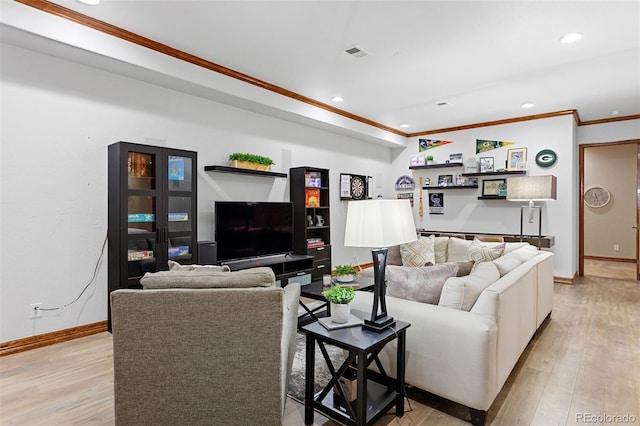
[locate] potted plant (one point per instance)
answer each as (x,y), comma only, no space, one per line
(250,161)
(345,273)
(430,159)
(340,298)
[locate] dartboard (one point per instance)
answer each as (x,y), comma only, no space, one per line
(357,188)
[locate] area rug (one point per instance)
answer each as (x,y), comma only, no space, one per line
(322,374)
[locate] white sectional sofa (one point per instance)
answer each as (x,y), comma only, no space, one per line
(464,350)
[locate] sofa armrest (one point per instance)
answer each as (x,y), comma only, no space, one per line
(439,343)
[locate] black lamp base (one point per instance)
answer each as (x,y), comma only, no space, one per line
(379,324)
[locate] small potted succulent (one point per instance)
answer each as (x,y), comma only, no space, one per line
(340,298)
(345,273)
(430,159)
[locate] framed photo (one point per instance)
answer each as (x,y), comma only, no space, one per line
(445,180)
(491,187)
(486,164)
(517,159)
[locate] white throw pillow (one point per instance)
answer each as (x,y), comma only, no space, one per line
(462,292)
(175,266)
(440,249)
(456,249)
(418,252)
(528,252)
(507,263)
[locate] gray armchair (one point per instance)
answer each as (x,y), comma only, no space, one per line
(220,353)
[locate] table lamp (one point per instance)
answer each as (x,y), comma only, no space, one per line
(532,188)
(379,223)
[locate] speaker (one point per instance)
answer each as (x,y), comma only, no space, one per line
(207,253)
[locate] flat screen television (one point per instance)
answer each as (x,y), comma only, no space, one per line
(251,229)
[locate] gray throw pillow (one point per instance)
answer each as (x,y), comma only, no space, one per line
(421,284)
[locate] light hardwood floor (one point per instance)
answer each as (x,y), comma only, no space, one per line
(586,361)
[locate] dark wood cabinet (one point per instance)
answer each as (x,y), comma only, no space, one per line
(309,192)
(152,211)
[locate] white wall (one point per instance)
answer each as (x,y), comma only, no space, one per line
(55,129)
(56,126)
(464,212)
(609,132)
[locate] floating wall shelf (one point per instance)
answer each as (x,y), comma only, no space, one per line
(436,166)
(226,169)
(451,187)
(508,172)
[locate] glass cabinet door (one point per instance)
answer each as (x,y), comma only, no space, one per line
(141,170)
(180,173)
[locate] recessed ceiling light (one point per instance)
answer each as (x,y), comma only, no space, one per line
(337,99)
(90,2)
(404,125)
(615,112)
(570,38)
(527,105)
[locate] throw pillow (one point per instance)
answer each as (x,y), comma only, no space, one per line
(462,292)
(393,256)
(456,249)
(440,249)
(464,268)
(207,278)
(507,263)
(528,252)
(420,284)
(479,252)
(418,252)
(175,266)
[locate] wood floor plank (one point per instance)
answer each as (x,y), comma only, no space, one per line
(586,359)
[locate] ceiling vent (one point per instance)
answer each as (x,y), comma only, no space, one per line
(355,51)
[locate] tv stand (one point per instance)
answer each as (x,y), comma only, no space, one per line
(288,268)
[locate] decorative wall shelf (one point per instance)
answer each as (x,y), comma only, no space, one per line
(508,172)
(451,187)
(492,197)
(436,166)
(226,169)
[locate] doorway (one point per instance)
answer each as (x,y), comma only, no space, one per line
(609,240)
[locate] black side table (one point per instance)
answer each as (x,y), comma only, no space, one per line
(374,396)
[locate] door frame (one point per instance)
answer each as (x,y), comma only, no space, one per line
(582,148)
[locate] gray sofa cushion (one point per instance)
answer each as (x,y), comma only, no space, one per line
(208,278)
(421,284)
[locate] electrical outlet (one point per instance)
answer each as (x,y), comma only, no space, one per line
(34,310)
(616,247)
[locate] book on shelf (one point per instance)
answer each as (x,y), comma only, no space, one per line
(178,217)
(178,251)
(312,197)
(312,179)
(141,217)
(139,255)
(315,244)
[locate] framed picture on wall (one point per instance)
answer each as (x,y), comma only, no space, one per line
(491,187)
(445,180)
(486,164)
(517,159)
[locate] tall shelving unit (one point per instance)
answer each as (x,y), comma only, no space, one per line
(152,211)
(309,192)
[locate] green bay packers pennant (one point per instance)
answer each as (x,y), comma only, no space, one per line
(483,145)
(425,144)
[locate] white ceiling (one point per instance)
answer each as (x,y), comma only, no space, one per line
(483,58)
